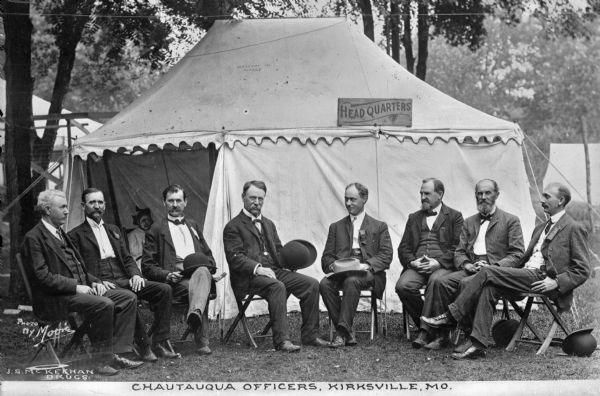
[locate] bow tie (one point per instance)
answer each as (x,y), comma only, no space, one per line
(177,221)
(483,218)
(257,221)
(428,213)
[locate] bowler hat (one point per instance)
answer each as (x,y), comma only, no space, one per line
(580,343)
(297,254)
(345,267)
(503,331)
(192,261)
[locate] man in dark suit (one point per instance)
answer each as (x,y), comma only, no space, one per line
(555,263)
(252,249)
(168,242)
(359,236)
(490,237)
(61,284)
(105,253)
(426,252)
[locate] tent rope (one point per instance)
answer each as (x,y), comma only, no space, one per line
(535,182)
(562,175)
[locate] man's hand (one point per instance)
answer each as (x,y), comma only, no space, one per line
(174,277)
(83,289)
(430,266)
(137,283)
(108,285)
(545,285)
(420,264)
(470,268)
(365,267)
(98,289)
(268,272)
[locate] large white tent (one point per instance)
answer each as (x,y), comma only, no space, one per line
(265,93)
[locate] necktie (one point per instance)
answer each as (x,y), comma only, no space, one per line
(548,226)
(428,213)
(177,221)
(258,224)
(62,240)
(483,218)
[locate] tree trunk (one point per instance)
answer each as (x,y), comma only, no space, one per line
(423,38)
(70,31)
(406,37)
(588,177)
(19,131)
(395,29)
(367,16)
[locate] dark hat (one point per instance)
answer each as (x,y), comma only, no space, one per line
(503,331)
(195,260)
(297,254)
(580,343)
(345,267)
(139,212)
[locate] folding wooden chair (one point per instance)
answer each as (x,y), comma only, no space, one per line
(241,317)
(542,300)
(50,344)
(375,310)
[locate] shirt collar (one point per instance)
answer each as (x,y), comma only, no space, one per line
(171,218)
(556,216)
(251,216)
(359,217)
(93,224)
(50,227)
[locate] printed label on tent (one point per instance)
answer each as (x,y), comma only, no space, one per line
(391,112)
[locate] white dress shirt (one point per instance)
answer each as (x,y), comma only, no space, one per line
(106,250)
(356,224)
(258,226)
(53,230)
(537,260)
(182,238)
(479,244)
(431,219)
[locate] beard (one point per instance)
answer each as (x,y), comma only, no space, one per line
(484,206)
(425,205)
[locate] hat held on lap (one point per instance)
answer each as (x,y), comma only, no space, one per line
(345,267)
(297,254)
(192,261)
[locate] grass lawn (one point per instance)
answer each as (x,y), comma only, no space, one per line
(389,358)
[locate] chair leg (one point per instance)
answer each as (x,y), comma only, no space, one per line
(247,331)
(519,332)
(331,332)
(405,322)
(531,327)
(548,339)
(555,314)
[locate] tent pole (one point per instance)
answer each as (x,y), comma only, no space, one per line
(111,190)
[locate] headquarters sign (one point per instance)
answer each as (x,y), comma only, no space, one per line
(390,112)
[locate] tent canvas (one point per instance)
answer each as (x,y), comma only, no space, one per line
(567,165)
(265,93)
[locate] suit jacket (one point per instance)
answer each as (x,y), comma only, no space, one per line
(375,246)
(565,248)
(503,240)
(84,239)
(447,228)
(159,257)
(241,241)
(48,272)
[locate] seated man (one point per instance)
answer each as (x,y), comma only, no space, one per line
(61,284)
(135,238)
(167,244)
(555,263)
(252,248)
(359,236)
(426,252)
(490,237)
(104,252)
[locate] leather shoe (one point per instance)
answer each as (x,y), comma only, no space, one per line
(464,346)
(164,351)
(194,320)
(106,370)
(318,342)
(472,352)
(287,346)
(204,350)
(124,363)
(148,356)
(421,340)
(438,343)
(351,340)
(443,320)
(337,342)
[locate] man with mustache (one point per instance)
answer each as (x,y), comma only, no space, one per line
(106,256)
(426,252)
(168,242)
(362,237)
(556,262)
(252,249)
(492,237)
